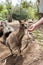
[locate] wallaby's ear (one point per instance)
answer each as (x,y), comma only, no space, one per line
(20,21)
(1,23)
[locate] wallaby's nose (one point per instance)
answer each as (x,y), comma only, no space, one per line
(25,27)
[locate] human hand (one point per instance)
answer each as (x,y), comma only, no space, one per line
(31,28)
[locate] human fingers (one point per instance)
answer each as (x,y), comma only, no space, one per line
(31,28)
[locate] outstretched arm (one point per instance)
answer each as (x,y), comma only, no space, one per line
(32,27)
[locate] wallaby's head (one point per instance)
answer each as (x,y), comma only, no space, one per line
(26,23)
(6,28)
(4,24)
(22,24)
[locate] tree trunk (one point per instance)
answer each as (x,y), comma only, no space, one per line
(9,17)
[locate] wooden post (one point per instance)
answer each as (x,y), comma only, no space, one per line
(40,8)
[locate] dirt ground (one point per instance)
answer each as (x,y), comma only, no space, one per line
(32,55)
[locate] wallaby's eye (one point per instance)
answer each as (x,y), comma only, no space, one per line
(22,24)
(5,24)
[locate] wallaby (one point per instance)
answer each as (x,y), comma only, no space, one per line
(14,41)
(7,29)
